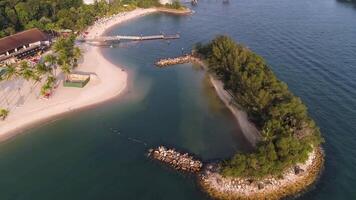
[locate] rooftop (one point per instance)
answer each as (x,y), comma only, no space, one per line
(20,39)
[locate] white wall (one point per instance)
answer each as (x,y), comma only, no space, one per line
(165,1)
(88,1)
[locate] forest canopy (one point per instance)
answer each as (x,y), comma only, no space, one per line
(288,133)
(18,15)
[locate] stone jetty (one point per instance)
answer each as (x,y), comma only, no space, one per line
(188,58)
(179,161)
(291,181)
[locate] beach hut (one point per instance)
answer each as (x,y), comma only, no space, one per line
(76,80)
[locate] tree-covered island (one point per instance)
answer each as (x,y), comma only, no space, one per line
(288,133)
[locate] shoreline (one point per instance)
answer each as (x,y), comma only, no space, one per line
(106,83)
(248,129)
(185,11)
(272,188)
(291,184)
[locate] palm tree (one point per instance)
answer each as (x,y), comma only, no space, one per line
(10,72)
(25,71)
(77,54)
(51,60)
(3,113)
(48,85)
(45,89)
(51,80)
(41,69)
(36,79)
(27,74)
(66,69)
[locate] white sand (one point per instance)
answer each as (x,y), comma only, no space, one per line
(107,81)
(248,128)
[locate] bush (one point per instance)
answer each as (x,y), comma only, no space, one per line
(3,113)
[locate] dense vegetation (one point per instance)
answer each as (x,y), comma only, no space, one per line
(17,15)
(288,133)
(175,5)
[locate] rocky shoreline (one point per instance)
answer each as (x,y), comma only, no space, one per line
(293,181)
(178,161)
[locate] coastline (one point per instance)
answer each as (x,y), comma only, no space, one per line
(272,188)
(107,81)
(185,11)
(249,130)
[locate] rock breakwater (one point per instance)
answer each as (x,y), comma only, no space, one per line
(188,58)
(175,159)
(291,182)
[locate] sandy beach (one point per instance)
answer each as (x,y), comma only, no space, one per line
(107,81)
(249,130)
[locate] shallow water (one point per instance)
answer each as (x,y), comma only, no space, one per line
(100,153)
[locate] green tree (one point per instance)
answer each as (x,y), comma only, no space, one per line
(10,72)
(288,133)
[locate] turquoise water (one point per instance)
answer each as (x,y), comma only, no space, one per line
(99,153)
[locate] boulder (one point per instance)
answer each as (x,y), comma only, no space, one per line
(298,170)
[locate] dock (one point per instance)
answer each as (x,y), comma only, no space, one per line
(119,38)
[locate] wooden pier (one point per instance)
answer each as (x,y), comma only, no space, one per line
(119,38)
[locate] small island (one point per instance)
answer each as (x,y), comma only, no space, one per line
(288,156)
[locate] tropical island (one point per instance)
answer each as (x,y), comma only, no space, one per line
(289,137)
(288,157)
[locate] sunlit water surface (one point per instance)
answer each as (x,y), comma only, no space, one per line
(100,153)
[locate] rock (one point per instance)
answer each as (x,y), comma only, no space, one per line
(298,170)
(260,186)
(177,160)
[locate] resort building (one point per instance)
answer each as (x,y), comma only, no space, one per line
(164,2)
(23,44)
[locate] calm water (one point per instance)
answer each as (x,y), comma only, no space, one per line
(100,153)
